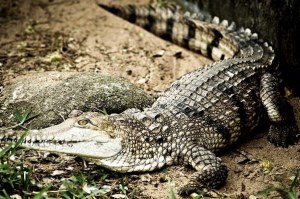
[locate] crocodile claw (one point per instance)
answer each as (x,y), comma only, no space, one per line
(213,177)
(189,189)
(283,135)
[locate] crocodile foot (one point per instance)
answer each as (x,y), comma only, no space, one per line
(188,189)
(213,177)
(283,134)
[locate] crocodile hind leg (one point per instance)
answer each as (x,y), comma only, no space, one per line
(283,130)
(211,172)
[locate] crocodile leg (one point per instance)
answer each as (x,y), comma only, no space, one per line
(211,172)
(283,129)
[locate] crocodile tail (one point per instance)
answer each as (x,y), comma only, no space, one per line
(199,32)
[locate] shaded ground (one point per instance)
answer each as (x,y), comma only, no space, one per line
(76,35)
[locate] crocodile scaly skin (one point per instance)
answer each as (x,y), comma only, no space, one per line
(207,109)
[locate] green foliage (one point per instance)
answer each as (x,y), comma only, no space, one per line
(5,195)
(285,192)
(42,193)
(123,188)
(104,111)
(25,116)
(162,3)
(15,178)
(13,173)
(77,187)
(22,118)
(171,191)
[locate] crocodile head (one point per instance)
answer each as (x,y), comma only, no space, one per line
(88,134)
(126,142)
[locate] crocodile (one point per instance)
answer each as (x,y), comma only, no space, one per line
(201,113)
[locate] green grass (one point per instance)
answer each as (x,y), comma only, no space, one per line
(162,3)
(22,117)
(285,192)
(13,174)
(103,111)
(16,178)
(77,187)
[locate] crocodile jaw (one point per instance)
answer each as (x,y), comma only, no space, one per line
(69,138)
(81,142)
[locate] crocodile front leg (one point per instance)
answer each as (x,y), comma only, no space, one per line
(283,130)
(211,172)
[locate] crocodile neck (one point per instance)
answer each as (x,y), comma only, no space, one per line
(160,137)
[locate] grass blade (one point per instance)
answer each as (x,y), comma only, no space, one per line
(5,150)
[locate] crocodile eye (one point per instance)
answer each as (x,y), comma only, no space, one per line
(83,122)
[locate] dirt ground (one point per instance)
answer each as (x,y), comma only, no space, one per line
(76,35)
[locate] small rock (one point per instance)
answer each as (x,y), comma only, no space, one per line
(159,53)
(253,197)
(47,180)
(78,60)
(70,168)
(15,196)
(178,55)
(89,189)
(163,179)
(141,81)
(71,39)
(129,72)
(119,196)
(146,178)
(241,160)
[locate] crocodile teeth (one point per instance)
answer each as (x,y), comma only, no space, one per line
(270,48)
(194,16)
(248,32)
(224,23)
(207,18)
(187,14)
(241,30)
(200,17)
(232,26)
(216,20)
(254,36)
(266,44)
